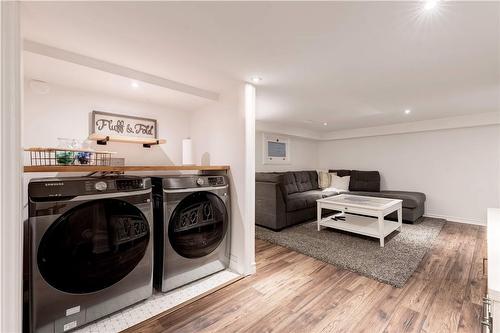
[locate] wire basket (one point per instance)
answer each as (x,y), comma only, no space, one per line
(66,156)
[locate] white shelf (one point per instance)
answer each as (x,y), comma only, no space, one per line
(102,139)
(362,225)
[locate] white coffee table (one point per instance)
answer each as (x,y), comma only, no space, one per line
(372,224)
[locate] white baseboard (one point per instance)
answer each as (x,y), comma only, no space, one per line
(253,268)
(457,219)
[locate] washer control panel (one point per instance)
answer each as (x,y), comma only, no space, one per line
(39,189)
(101,186)
(114,185)
(95,186)
(216,181)
(128,184)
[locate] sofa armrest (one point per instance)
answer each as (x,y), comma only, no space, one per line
(270,210)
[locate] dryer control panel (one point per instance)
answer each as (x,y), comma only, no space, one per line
(191,181)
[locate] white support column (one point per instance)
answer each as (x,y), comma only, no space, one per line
(249,221)
(10,170)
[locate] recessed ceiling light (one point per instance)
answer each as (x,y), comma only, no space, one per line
(407,111)
(255,79)
(430,4)
(134,84)
(325,124)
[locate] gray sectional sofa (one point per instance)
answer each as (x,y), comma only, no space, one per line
(288,198)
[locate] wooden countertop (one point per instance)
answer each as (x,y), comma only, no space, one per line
(88,168)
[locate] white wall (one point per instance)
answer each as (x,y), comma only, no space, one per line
(218,134)
(64,112)
(303,154)
(458,169)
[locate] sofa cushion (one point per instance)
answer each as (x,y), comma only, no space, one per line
(289,186)
(410,199)
(304,200)
(364,181)
(313,175)
(341,172)
(306,180)
(324,193)
(301,200)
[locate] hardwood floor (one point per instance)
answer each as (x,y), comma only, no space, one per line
(295,293)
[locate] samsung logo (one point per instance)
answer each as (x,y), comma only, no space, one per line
(54,184)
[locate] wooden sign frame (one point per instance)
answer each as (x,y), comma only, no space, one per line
(121,125)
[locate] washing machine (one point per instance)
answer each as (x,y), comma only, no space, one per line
(90,249)
(192,222)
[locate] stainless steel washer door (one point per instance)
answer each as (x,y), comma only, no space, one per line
(93,246)
(198,225)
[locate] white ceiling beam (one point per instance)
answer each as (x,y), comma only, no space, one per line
(277,128)
(79,59)
(471,120)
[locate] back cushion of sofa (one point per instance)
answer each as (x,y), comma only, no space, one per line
(368,181)
(306,180)
(289,184)
(269,177)
(313,176)
(341,172)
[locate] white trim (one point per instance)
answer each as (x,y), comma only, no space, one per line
(457,219)
(79,59)
(253,268)
(472,120)
(11,225)
(249,216)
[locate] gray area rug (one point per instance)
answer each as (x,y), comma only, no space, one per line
(393,264)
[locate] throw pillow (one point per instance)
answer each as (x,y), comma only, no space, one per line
(341,172)
(367,181)
(324,179)
(340,184)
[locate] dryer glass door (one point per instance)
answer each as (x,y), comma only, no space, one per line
(92,246)
(198,225)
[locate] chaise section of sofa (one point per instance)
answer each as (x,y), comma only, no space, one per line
(367,183)
(413,203)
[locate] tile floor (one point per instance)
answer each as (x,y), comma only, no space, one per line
(156,304)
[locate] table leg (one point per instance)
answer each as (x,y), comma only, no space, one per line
(400,219)
(319,215)
(381,229)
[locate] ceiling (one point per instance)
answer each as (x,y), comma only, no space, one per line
(350,64)
(55,71)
